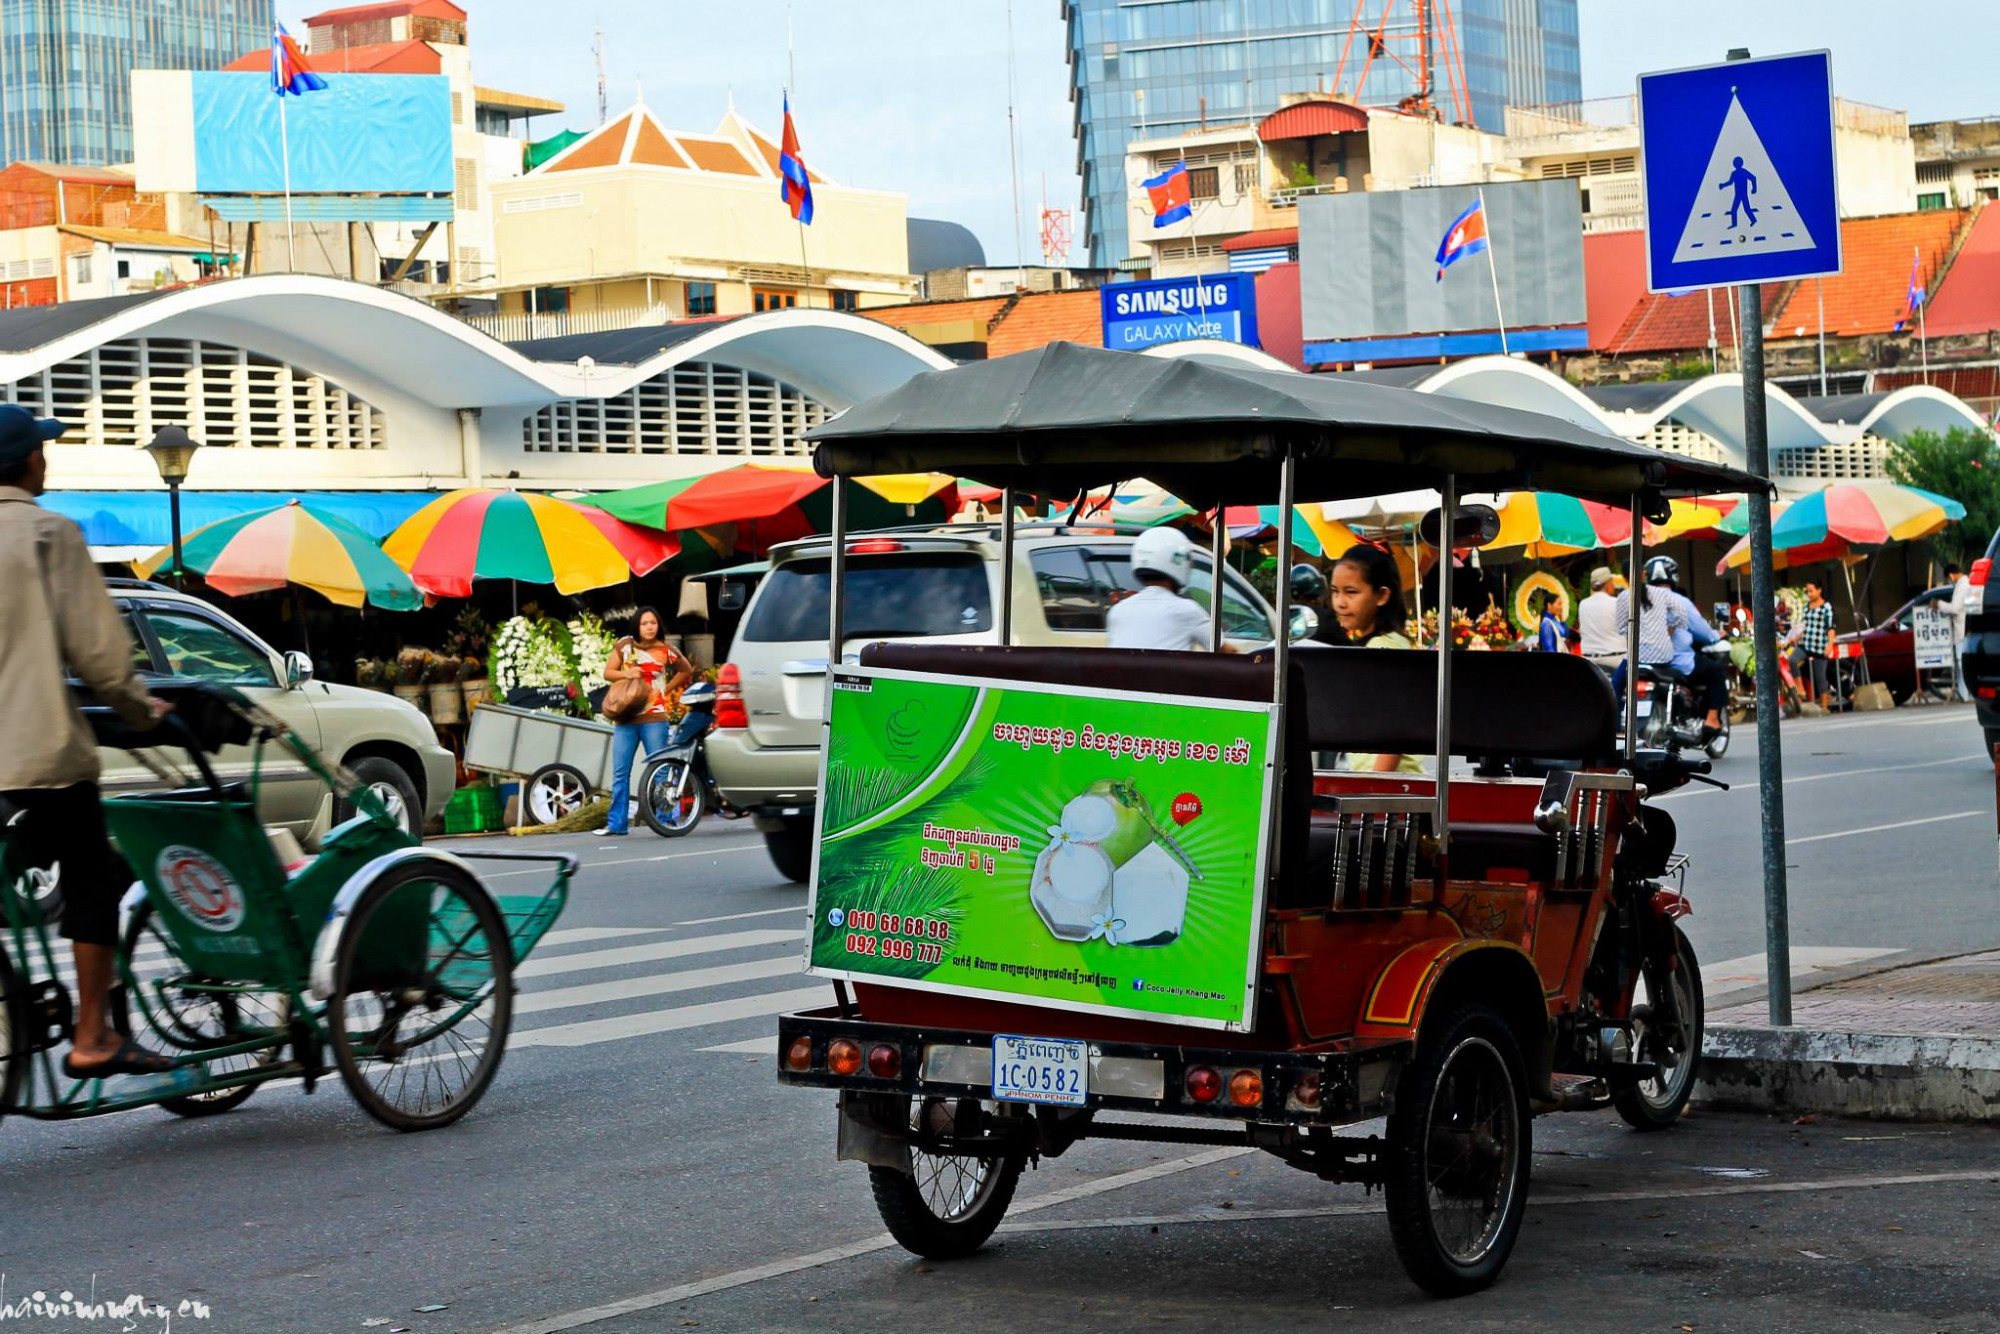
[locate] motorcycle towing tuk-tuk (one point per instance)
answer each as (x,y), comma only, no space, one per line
(1054,886)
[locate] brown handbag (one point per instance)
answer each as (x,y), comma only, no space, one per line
(628,696)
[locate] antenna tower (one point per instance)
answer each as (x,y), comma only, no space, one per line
(603,105)
(1422,40)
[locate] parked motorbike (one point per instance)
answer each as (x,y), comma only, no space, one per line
(1670,714)
(675,788)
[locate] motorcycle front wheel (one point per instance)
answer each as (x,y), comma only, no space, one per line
(672,797)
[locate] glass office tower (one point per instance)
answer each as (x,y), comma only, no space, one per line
(66,66)
(1145,68)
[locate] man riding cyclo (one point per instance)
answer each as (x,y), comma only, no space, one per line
(60,621)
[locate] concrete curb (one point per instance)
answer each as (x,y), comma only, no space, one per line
(1893,1077)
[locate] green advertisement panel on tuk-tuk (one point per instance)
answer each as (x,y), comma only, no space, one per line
(1036,843)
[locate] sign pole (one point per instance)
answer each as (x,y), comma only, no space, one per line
(1764,636)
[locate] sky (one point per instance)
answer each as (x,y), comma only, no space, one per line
(912,95)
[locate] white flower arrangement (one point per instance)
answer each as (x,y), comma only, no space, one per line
(593,644)
(531,653)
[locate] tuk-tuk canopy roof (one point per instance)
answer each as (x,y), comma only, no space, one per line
(1061,419)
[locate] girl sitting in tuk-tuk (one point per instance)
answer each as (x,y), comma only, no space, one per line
(1367,599)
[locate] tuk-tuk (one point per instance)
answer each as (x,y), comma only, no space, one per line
(1053,885)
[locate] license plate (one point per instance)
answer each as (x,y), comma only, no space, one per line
(1046,1070)
(1644,707)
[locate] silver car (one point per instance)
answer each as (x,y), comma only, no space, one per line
(940,583)
(385,742)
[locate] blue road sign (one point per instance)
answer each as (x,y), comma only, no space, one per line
(1739,172)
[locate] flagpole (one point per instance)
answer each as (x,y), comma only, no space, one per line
(1493,268)
(1923,338)
(791,82)
(285,152)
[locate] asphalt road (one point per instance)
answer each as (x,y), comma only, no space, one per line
(635,1154)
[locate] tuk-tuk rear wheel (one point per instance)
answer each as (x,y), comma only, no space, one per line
(1457,1153)
(949,1204)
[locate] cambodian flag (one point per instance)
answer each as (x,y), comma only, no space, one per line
(796,188)
(1916,296)
(289,71)
(1173,197)
(1465,236)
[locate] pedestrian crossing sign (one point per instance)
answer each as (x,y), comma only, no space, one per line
(1737,161)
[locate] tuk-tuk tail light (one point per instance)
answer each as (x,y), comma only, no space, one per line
(1203,1084)
(843,1056)
(799,1056)
(1306,1091)
(1246,1088)
(729,709)
(884,1061)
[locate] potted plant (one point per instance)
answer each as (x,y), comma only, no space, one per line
(469,641)
(368,674)
(413,667)
(447,704)
(473,683)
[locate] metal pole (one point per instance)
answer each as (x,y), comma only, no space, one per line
(1770,768)
(1281,654)
(285,152)
(174,518)
(1447,513)
(1006,566)
(836,598)
(1218,558)
(1819,295)
(1634,576)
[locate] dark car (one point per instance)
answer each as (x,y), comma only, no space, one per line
(1891,646)
(1980,657)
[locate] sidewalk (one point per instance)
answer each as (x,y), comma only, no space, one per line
(1914,1041)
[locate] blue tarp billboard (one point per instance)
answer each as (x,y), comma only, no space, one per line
(364,133)
(1172,310)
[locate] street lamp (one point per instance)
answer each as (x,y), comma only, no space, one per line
(173,450)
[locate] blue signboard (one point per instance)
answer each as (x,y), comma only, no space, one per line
(1739,172)
(1173,310)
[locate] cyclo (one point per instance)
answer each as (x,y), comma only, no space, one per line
(380,958)
(1058,885)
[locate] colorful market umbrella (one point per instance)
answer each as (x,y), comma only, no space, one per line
(751,507)
(491,534)
(1541,524)
(293,544)
(1829,524)
(1312,532)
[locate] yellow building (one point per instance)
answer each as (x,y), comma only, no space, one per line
(636,223)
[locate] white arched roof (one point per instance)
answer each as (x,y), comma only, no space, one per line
(438,358)
(1514,383)
(1713,405)
(1919,407)
(1219,352)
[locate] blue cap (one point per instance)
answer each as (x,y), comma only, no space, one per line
(22,433)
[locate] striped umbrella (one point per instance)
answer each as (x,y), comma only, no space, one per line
(293,544)
(1542,524)
(491,534)
(1829,524)
(770,505)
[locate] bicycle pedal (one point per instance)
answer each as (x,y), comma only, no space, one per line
(50,1017)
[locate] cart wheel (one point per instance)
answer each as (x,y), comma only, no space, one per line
(13,1037)
(1456,1159)
(423,995)
(192,1020)
(554,791)
(665,814)
(949,1205)
(1655,1104)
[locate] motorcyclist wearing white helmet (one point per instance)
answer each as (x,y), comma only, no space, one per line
(1160,614)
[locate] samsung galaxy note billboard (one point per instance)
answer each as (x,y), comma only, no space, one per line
(1173,310)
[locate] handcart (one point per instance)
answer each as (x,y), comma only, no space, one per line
(562,761)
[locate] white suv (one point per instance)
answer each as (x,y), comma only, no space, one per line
(939,583)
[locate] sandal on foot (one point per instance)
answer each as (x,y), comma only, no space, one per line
(129,1059)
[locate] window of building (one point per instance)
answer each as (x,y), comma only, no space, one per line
(847,301)
(549,301)
(1929,202)
(697,408)
(1202,182)
(83,269)
(772,298)
(1246,178)
(124,268)
(700,298)
(465,184)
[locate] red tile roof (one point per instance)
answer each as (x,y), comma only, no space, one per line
(717,155)
(1661,323)
(1614,281)
(437,9)
(1303,120)
(375,58)
(1264,240)
(1040,318)
(1870,293)
(1968,301)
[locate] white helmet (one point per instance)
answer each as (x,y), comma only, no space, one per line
(1164,552)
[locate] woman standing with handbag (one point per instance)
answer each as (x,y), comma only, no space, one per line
(646,675)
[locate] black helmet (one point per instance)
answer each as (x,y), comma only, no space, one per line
(1308,584)
(1663,570)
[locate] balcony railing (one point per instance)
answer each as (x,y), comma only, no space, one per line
(521,326)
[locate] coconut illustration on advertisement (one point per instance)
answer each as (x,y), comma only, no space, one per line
(1111,872)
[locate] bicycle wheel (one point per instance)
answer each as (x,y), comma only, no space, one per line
(671,798)
(181,1012)
(423,995)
